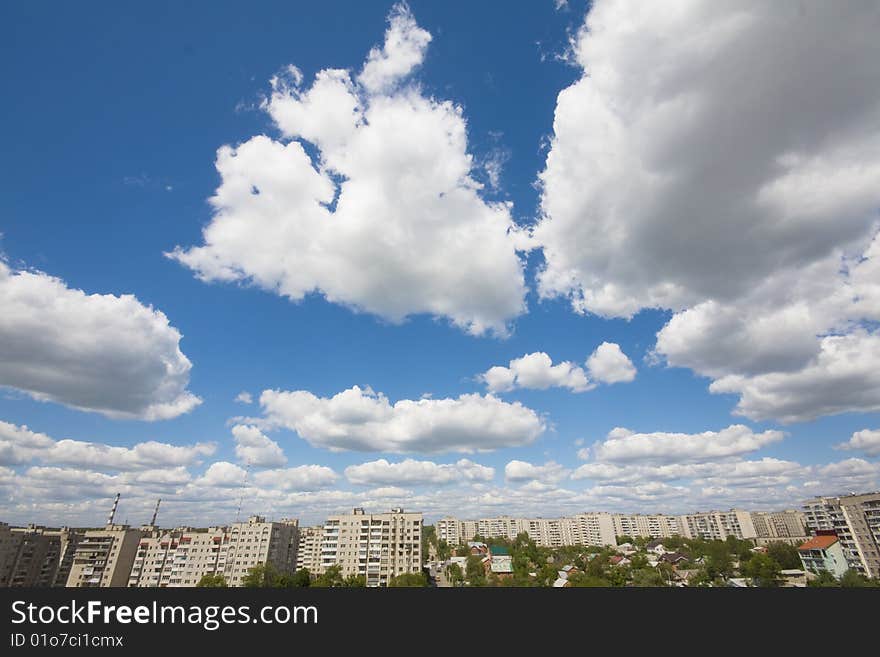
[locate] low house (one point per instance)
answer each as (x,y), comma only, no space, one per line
(673,558)
(627,548)
(561,583)
(793,578)
(477,548)
(618,560)
(824,552)
(656,547)
(501,565)
(738,582)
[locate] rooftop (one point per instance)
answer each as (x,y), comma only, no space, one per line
(819,543)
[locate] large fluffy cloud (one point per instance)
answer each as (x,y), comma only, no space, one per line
(625,446)
(387,217)
(360,419)
(412,472)
(18,444)
(714,162)
(607,364)
(255,448)
(104,353)
(519,471)
(866,440)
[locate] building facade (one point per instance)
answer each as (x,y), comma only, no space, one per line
(856,521)
(104,557)
(824,552)
(36,556)
(377,546)
(308,554)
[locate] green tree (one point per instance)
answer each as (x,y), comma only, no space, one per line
(262,575)
(853,579)
(763,570)
(784,554)
(444,551)
(298,579)
(214,581)
(408,580)
(454,574)
(332,577)
(645,577)
(475,572)
(824,580)
(582,580)
(623,538)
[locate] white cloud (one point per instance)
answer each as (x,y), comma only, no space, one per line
(388,219)
(677,179)
(360,419)
(302,477)
(404,50)
(18,444)
(536,371)
(414,472)
(103,353)
(866,440)
(625,446)
(844,377)
(244,397)
(550,472)
(224,475)
(255,448)
(608,364)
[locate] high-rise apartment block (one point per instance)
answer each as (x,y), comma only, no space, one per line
(308,556)
(36,556)
(104,557)
(855,520)
(378,546)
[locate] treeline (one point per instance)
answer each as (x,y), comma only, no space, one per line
(267,576)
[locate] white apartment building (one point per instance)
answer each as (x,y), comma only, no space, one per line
(308,554)
(856,521)
(103,557)
(718,525)
(637,524)
(378,546)
(592,529)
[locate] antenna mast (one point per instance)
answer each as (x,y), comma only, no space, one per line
(247,469)
(155,512)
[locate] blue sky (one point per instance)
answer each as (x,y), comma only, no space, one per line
(669,197)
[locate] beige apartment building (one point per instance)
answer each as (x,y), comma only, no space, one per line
(179,558)
(308,555)
(257,541)
(104,557)
(856,521)
(378,546)
(788,524)
(718,525)
(637,524)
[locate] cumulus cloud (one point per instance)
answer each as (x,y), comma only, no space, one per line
(607,364)
(244,397)
(302,477)
(18,444)
(103,353)
(224,475)
(866,440)
(409,471)
(363,420)
(550,472)
(677,179)
(625,446)
(253,447)
(387,217)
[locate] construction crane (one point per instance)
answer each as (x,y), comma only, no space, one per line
(155,513)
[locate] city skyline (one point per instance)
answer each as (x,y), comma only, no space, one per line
(548,259)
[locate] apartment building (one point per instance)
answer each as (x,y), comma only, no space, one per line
(824,552)
(179,558)
(654,526)
(104,557)
(308,555)
(779,524)
(856,521)
(718,525)
(36,556)
(592,529)
(377,546)
(257,541)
